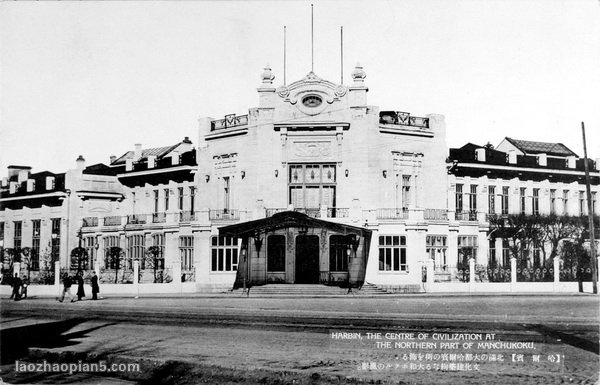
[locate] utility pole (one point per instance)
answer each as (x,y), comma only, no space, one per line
(590,216)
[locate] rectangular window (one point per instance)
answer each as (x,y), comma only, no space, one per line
(473,198)
(565,202)
(492,199)
(459,198)
(535,201)
(180,198)
(582,209)
(504,201)
(505,253)
(89,243)
(392,253)
(18,225)
(312,185)
(35,244)
(224,253)
(226,194)
(135,250)
(437,248)
(155,201)
(552,202)
(522,199)
(338,253)
(186,252)
(492,261)
(276,253)
(467,248)
(158,243)
(112,253)
(192,199)
(167,191)
(55,239)
(406,181)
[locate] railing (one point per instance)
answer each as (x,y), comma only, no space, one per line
(136,219)
(187,216)
(339,278)
(466,216)
(271,212)
(336,212)
(394,213)
(402,118)
(224,214)
(535,274)
(311,212)
(435,214)
(229,121)
(159,217)
(114,220)
(89,222)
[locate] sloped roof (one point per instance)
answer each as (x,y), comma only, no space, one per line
(146,152)
(534,147)
(100,169)
(287,219)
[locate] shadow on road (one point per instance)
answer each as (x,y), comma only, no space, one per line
(569,339)
(16,341)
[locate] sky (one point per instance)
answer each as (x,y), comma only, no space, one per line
(94,78)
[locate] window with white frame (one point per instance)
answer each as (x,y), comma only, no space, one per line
(565,202)
(406,182)
(392,253)
(89,243)
(473,198)
(312,185)
(35,244)
(535,201)
(467,248)
(437,248)
(522,199)
(458,196)
(186,252)
(158,242)
(552,201)
(582,209)
(224,253)
(18,226)
(55,242)
(492,199)
(136,249)
(504,201)
(110,262)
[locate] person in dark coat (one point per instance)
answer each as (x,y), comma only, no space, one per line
(24,284)
(16,288)
(95,287)
(67,288)
(80,291)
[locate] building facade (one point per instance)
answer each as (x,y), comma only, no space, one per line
(313,185)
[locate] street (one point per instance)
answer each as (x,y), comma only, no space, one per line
(225,339)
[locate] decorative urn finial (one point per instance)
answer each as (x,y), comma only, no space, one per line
(267,75)
(359,74)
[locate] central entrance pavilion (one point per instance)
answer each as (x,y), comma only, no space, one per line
(291,247)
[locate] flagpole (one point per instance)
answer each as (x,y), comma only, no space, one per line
(590,215)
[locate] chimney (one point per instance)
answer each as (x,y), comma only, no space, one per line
(571,161)
(49,183)
(112,159)
(151,161)
(512,157)
(137,154)
(80,161)
(542,159)
(480,154)
(186,145)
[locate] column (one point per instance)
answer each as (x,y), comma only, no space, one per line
(513,270)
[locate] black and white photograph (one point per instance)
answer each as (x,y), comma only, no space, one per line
(318,192)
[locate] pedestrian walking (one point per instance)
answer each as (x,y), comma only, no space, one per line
(24,284)
(16,288)
(95,287)
(80,291)
(66,288)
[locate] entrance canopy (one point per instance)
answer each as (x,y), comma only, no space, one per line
(288,219)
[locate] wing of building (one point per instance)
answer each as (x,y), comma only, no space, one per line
(312,186)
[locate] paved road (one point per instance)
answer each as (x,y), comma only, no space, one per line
(259,337)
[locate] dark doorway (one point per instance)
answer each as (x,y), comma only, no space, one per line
(307,259)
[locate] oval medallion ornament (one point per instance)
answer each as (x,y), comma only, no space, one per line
(312,101)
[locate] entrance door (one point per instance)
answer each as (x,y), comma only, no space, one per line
(307,259)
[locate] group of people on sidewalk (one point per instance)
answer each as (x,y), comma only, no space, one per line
(78,279)
(19,287)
